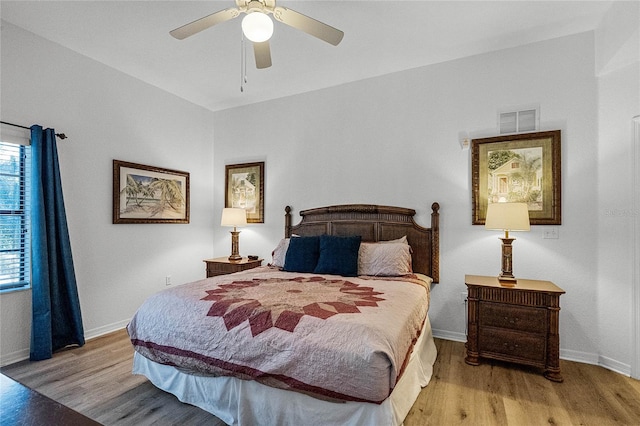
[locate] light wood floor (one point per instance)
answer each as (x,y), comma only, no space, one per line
(96,380)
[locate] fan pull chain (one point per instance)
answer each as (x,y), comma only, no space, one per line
(243,63)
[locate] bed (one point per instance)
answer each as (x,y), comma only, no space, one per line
(335,330)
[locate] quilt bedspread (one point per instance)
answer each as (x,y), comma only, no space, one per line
(332,337)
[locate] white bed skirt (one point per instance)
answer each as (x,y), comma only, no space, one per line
(245,402)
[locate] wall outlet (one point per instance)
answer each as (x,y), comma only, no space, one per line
(167,280)
(463,297)
(551,232)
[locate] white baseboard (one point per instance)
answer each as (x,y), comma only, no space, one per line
(569,355)
(22,354)
(97,332)
(593,359)
(13,357)
(613,365)
(578,356)
(449,335)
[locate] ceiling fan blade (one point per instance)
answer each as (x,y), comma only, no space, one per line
(308,25)
(262,52)
(204,23)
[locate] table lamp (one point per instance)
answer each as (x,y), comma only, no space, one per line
(507,217)
(234,217)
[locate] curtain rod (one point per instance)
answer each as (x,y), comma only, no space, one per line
(60,135)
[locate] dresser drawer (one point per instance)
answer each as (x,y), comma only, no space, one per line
(223,266)
(512,344)
(532,320)
(214,273)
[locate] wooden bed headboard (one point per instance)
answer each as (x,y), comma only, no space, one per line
(375,223)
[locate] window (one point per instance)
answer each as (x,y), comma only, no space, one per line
(14,216)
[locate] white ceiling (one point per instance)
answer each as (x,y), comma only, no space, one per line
(380,37)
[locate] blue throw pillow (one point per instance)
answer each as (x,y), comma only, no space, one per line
(302,254)
(338,255)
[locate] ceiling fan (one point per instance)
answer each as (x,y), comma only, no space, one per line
(258,27)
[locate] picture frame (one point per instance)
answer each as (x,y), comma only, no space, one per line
(148,194)
(522,167)
(244,188)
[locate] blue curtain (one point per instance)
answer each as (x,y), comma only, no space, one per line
(57,321)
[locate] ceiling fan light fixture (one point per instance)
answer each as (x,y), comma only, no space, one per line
(257,27)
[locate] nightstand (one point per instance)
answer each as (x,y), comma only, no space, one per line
(517,324)
(223,266)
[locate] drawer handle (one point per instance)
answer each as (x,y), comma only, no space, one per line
(512,320)
(510,347)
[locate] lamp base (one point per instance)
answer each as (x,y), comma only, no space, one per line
(506,277)
(235,252)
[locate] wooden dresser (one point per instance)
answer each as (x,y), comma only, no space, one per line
(516,324)
(223,266)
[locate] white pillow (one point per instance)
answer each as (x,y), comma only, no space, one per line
(279,253)
(402,240)
(384,259)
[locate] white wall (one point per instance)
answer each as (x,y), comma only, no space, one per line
(618,71)
(107,115)
(394,140)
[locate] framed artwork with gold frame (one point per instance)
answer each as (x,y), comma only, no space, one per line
(522,168)
(244,188)
(148,194)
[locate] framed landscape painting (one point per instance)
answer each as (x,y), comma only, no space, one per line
(146,194)
(244,188)
(522,168)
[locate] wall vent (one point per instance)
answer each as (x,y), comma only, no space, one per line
(522,120)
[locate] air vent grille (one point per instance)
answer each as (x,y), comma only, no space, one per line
(523,120)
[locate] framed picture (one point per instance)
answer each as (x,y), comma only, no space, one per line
(244,185)
(146,194)
(518,168)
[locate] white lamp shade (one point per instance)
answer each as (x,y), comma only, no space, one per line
(257,27)
(507,217)
(233,217)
